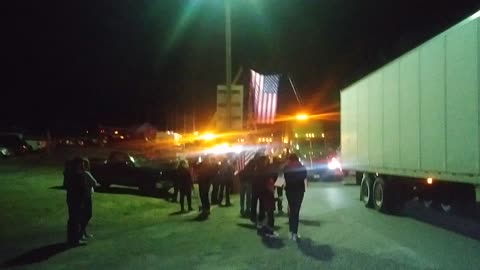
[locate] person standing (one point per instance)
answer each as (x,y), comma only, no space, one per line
(206,172)
(226,174)
(74,185)
(295,182)
(185,184)
(278,169)
(246,176)
(257,215)
(89,184)
(215,194)
(267,175)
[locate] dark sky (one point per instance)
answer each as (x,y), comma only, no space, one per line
(126,61)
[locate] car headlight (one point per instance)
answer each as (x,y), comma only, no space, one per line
(4,151)
(334,164)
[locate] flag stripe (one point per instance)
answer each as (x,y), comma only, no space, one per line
(243,160)
(264,88)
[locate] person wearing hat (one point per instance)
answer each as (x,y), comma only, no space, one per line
(295,182)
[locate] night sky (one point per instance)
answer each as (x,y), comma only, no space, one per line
(120,62)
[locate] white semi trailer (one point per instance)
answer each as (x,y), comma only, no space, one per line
(412,127)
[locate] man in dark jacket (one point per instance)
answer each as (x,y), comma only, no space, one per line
(257,215)
(225,175)
(75,187)
(267,175)
(246,176)
(295,181)
(185,184)
(207,170)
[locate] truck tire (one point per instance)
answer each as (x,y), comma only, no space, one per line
(389,195)
(366,191)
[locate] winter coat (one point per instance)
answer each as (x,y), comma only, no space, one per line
(295,174)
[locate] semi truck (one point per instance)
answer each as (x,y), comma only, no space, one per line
(411,129)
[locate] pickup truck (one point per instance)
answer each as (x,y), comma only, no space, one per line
(122,169)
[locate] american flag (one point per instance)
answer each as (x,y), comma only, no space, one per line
(242,160)
(264,89)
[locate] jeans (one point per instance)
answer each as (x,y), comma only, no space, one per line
(294,202)
(279,199)
(245,196)
(225,189)
(215,192)
(87,215)
(256,200)
(204,188)
(75,219)
(186,192)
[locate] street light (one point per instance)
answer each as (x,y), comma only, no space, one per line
(302,117)
(228,61)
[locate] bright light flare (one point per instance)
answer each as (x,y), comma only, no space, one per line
(334,164)
(429,180)
(208,136)
(302,117)
(225,148)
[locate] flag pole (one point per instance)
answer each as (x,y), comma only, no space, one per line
(299,100)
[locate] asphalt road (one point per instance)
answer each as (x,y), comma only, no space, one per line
(134,231)
(361,238)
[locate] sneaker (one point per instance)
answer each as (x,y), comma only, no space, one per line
(295,237)
(86,235)
(78,243)
(290,235)
(272,234)
(259,225)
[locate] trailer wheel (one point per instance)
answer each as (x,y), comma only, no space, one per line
(379,196)
(366,191)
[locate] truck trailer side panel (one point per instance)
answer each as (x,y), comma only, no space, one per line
(419,115)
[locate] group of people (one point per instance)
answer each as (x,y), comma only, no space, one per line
(79,184)
(258,185)
(260,192)
(210,174)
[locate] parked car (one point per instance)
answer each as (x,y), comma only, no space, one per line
(326,168)
(122,169)
(13,145)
